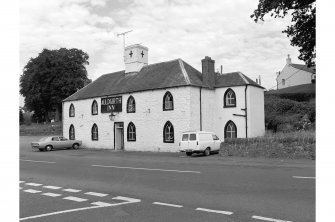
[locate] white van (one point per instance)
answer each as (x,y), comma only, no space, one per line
(199,142)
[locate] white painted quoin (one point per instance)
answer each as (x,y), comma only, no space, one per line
(295,74)
(198,104)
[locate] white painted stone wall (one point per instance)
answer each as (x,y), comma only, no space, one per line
(149,120)
(293,77)
(256,116)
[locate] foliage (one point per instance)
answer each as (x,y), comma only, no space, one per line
(288,115)
(289,145)
(302,32)
(41,129)
(21,117)
(51,77)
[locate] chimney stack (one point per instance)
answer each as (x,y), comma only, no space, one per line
(288,60)
(208,74)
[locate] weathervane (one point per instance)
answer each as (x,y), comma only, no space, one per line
(124,41)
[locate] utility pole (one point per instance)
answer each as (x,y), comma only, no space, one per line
(124,41)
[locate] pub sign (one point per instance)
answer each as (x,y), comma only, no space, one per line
(111,104)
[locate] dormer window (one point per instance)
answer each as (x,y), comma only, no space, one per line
(131,108)
(229,99)
(167,101)
(71,110)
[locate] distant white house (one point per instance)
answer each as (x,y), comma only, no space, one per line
(146,107)
(295,74)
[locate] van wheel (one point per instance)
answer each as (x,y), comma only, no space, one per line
(207,152)
(188,154)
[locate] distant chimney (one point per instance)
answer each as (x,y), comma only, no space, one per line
(208,75)
(257,81)
(135,57)
(288,60)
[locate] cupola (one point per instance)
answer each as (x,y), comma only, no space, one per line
(135,57)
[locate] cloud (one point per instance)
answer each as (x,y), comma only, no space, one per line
(187,29)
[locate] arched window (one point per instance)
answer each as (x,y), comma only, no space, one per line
(94,108)
(131,132)
(230,130)
(71,110)
(94,132)
(229,99)
(167,101)
(71,133)
(168,133)
(131,105)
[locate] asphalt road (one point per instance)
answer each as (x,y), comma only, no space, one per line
(101,185)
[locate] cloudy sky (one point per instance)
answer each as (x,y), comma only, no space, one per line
(187,29)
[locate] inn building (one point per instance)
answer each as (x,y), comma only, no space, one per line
(146,107)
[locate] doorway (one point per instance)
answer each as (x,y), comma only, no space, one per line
(118,136)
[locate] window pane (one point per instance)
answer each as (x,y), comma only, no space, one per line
(193,136)
(185,137)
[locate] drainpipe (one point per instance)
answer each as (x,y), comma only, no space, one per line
(200,112)
(246,112)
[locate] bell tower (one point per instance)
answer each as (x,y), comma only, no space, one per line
(135,57)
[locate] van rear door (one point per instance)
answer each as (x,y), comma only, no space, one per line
(184,142)
(192,141)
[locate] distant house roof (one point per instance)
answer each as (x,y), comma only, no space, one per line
(304,88)
(303,67)
(162,75)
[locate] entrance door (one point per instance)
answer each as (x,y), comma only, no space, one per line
(118,136)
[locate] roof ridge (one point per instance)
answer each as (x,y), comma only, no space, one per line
(242,76)
(181,65)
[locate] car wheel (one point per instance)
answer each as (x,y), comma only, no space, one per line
(188,154)
(41,149)
(48,148)
(75,146)
(207,152)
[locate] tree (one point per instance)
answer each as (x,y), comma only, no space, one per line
(51,77)
(302,31)
(21,116)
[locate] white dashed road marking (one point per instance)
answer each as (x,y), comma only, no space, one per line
(21,181)
(102,204)
(34,184)
(72,190)
(215,211)
(20,188)
(37,161)
(52,187)
(32,191)
(299,177)
(52,194)
(97,194)
(77,199)
(167,204)
(128,199)
(150,169)
(269,219)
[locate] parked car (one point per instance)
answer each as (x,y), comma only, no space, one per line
(199,142)
(55,142)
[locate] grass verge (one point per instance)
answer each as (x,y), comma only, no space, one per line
(293,145)
(35,129)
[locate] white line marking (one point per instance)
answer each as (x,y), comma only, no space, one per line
(102,204)
(128,199)
(97,194)
(215,211)
(37,161)
(32,191)
(299,177)
(20,188)
(134,168)
(21,181)
(71,190)
(34,184)
(52,194)
(167,204)
(77,199)
(52,187)
(269,219)
(73,210)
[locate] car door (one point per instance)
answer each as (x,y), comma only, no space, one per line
(64,143)
(55,142)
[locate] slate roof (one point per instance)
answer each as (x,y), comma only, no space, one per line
(162,75)
(303,67)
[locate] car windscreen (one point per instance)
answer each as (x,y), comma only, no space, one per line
(185,137)
(43,139)
(193,136)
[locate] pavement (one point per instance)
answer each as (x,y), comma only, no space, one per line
(105,185)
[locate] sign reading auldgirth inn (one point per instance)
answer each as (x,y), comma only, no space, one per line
(111,104)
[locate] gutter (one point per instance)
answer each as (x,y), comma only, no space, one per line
(246,112)
(200,110)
